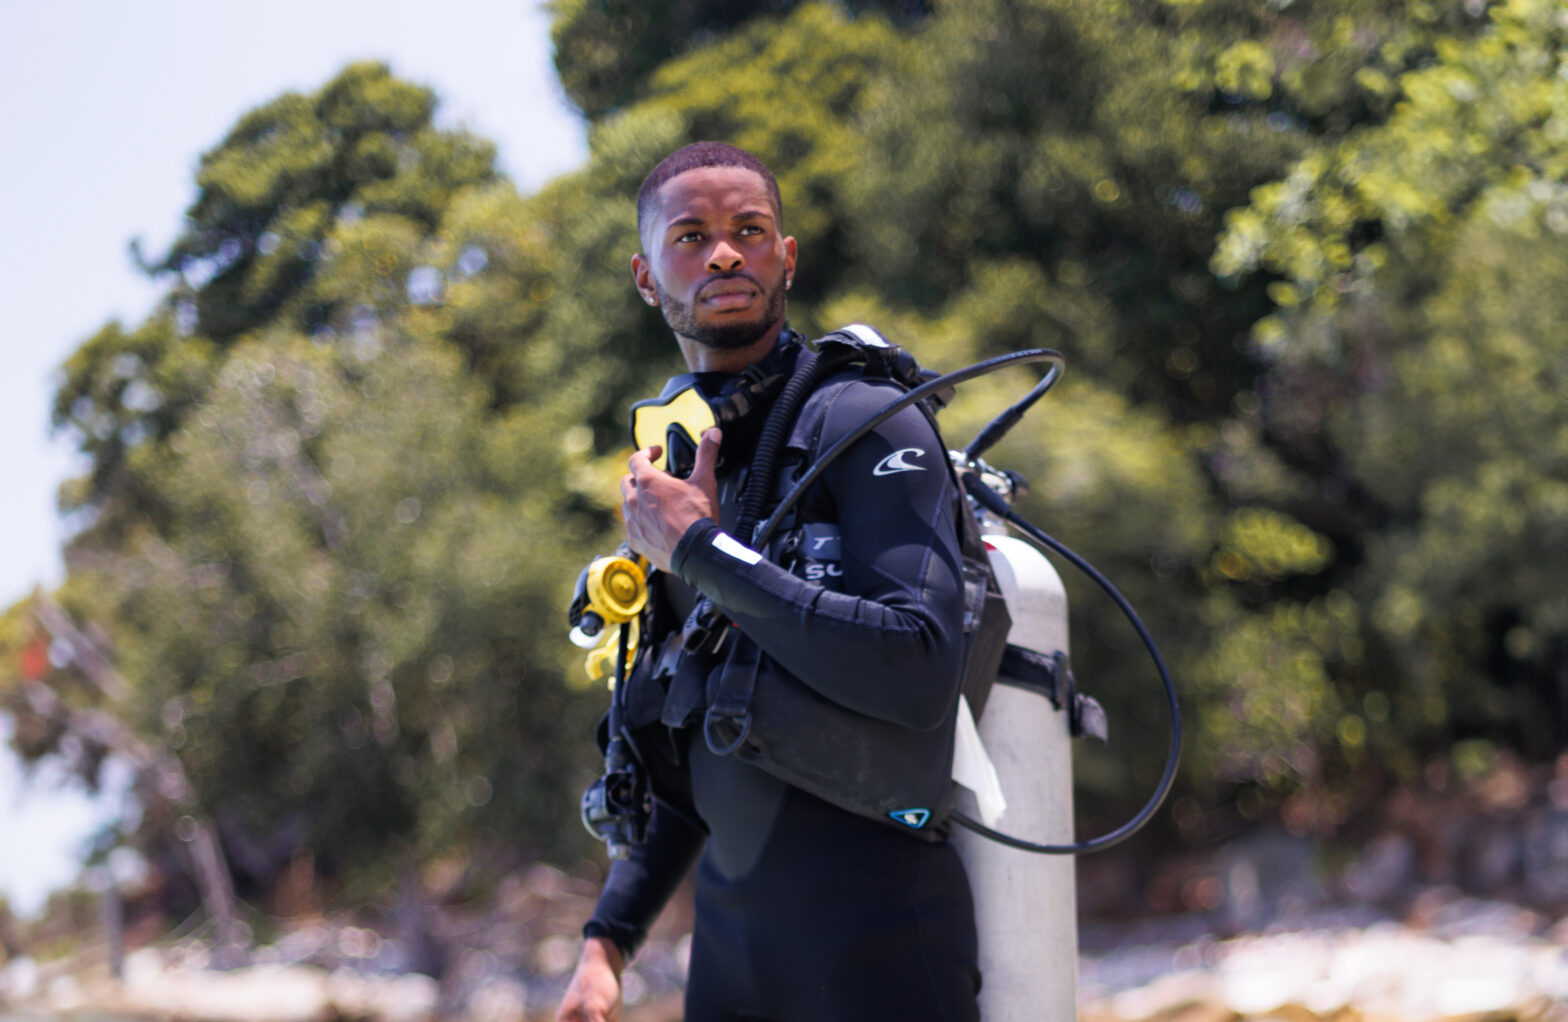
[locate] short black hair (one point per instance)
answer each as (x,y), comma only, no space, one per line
(703,154)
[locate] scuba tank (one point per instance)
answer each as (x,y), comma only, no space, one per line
(1025,905)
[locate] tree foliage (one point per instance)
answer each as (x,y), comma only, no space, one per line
(1305,260)
(606,51)
(326,524)
(1416,356)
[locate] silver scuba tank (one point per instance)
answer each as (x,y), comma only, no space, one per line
(1025,904)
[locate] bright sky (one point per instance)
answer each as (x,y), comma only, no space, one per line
(108,106)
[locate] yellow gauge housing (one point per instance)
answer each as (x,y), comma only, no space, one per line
(617,588)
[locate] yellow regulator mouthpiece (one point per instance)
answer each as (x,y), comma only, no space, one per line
(676,424)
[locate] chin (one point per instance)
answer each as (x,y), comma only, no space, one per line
(728,336)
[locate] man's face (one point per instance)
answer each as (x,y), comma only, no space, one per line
(714,259)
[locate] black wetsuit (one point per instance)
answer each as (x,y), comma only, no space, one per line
(804,911)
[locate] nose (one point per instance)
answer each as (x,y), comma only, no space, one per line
(724,258)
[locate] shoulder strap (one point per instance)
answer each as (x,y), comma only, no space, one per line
(882,357)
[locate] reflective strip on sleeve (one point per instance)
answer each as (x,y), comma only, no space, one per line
(729,545)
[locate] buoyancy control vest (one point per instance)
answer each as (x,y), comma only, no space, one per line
(748,705)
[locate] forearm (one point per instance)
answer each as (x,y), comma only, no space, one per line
(638,887)
(893,659)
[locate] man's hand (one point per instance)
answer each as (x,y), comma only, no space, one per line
(594,994)
(659,508)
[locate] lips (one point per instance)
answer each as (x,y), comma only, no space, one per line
(728,294)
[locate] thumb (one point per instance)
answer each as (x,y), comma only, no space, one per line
(705,468)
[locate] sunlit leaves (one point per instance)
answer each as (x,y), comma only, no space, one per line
(1485,118)
(606,50)
(1419,311)
(1269,706)
(1264,544)
(1245,69)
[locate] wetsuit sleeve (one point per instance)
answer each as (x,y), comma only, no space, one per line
(638,886)
(888,645)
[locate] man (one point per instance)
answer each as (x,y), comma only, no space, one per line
(804,912)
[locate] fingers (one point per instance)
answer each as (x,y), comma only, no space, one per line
(640,464)
(707,462)
(642,461)
(704,472)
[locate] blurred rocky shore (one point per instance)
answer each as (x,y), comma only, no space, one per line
(1454,908)
(1452,958)
(507,960)
(1449,903)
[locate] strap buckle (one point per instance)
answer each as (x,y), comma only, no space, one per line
(710,724)
(705,630)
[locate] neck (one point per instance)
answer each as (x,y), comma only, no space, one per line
(702,359)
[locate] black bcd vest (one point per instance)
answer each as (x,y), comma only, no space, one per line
(752,708)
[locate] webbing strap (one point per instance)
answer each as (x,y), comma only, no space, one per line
(732,703)
(1024,668)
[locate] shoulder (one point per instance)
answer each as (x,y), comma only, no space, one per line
(843,402)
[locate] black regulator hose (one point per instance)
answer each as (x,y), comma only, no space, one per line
(993,502)
(887,411)
(998,427)
(764,465)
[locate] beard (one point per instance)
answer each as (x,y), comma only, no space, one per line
(729,334)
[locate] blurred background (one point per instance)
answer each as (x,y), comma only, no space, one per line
(321,340)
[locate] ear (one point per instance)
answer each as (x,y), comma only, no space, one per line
(789,259)
(642,276)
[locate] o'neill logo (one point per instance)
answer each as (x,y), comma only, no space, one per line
(895,462)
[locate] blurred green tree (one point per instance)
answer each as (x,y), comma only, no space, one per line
(1305,261)
(327,524)
(270,198)
(1415,367)
(607,50)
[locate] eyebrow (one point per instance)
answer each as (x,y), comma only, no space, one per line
(697,221)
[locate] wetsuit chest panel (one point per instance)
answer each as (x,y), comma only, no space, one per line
(738,803)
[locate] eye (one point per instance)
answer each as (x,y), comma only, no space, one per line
(752,229)
(689,236)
